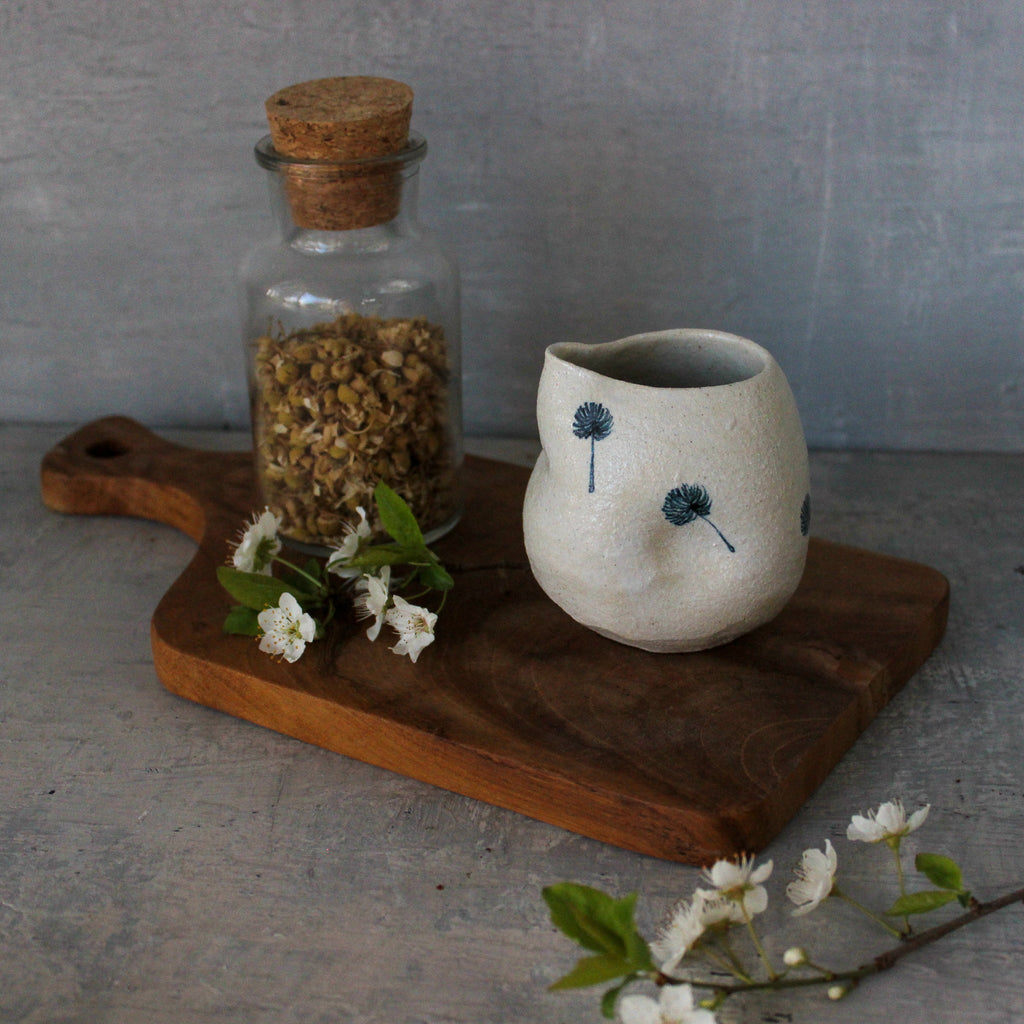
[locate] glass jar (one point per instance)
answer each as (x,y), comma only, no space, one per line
(352,337)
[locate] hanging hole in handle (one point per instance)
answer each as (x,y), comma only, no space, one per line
(109,448)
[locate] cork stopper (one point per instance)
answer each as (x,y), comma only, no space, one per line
(334,121)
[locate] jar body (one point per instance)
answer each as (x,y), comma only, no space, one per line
(353,358)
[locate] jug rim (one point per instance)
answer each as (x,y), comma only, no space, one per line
(683,358)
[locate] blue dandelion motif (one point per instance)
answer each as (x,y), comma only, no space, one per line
(687,502)
(593,421)
(805,515)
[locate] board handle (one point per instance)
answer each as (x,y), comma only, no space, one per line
(116,466)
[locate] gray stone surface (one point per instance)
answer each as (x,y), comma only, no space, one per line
(163,863)
(839,181)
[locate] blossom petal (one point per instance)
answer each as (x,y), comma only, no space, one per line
(756,900)
(762,873)
(373,630)
(724,874)
(891,817)
(350,546)
(864,830)
(918,818)
(676,1002)
(716,908)
(675,1006)
(372,599)
(639,1010)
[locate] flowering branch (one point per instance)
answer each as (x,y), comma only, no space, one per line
(883,962)
(978,910)
(289,611)
(701,928)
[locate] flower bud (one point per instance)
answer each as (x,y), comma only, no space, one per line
(836,992)
(794,956)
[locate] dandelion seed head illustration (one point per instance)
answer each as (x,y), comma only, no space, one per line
(592,420)
(685,503)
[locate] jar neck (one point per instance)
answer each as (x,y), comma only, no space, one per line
(343,236)
(331,197)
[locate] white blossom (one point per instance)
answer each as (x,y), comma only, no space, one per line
(688,923)
(888,822)
(740,882)
(258,544)
(371,600)
(815,876)
(414,625)
(717,908)
(286,629)
(674,1006)
(350,546)
(680,935)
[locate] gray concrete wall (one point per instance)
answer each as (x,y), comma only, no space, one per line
(843,182)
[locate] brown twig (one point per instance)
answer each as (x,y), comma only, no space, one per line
(882,962)
(978,910)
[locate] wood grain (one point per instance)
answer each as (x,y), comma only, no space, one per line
(686,757)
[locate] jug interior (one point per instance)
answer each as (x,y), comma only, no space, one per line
(670,362)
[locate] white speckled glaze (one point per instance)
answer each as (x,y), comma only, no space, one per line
(689,408)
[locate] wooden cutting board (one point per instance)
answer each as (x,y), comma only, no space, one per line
(687,757)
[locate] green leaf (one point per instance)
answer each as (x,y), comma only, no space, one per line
(610,998)
(637,951)
(241,621)
(920,902)
(594,970)
(253,589)
(576,910)
(310,580)
(299,585)
(381,554)
(435,576)
(940,871)
(397,518)
(598,922)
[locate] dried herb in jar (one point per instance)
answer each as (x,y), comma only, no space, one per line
(341,405)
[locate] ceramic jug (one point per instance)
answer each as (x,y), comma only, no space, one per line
(669,508)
